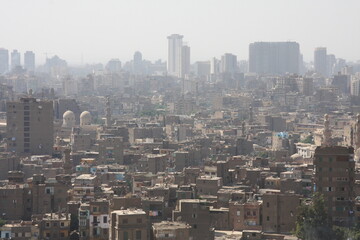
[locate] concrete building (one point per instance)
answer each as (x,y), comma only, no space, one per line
(111,150)
(157,163)
(320,61)
(174,54)
(99,219)
(4,60)
(334,168)
(196,213)
(171,230)
(55,226)
(208,185)
(274,57)
(15,59)
(229,63)
(114,66)
(30,126)
(19,231)
(29,61)
(279,212)
(128,224)
(185,61)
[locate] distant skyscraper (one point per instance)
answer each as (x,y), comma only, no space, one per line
(330,64)
(320,61)
(15,59)
(29,61)
(174,54)
(137,63)
(228,63)
(274,57)
(114,66)
(214,66)
(185,61)
(4,60)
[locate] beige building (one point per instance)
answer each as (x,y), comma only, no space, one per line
(111,150)
(171,230)
(128,224)
(30,126)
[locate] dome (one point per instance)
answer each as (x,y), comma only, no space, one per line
(85,118)
(69,119)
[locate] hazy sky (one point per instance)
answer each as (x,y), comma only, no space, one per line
(104,29)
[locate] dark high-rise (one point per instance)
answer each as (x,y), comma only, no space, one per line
(274,57)
(334,178)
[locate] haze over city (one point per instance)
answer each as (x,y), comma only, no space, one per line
(90,31)
(179,120)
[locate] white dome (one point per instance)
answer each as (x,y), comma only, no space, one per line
(85,118)
(69,119)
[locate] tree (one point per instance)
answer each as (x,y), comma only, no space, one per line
(2,222)
(312,221)
(308,139)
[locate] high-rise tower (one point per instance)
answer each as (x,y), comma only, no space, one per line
(15,59)
(29,61)
(320,61)
(30,126)
(4,60)
(174,54)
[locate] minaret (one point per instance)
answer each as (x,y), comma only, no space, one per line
(357,132)
(108,112)
(327,132)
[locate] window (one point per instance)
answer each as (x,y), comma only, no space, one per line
(55,224)
(62,234)
(126,235)
(194,215)
(195,226)
(105,220)
(329,189)
(47,224)
(125,221)
(94,209)
(237,213)
(267,218)
(138,235)
(62,224)
(267,204)
(139,220)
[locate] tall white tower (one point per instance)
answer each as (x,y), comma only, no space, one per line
(174,54)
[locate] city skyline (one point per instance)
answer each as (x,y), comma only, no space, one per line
(143,26)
